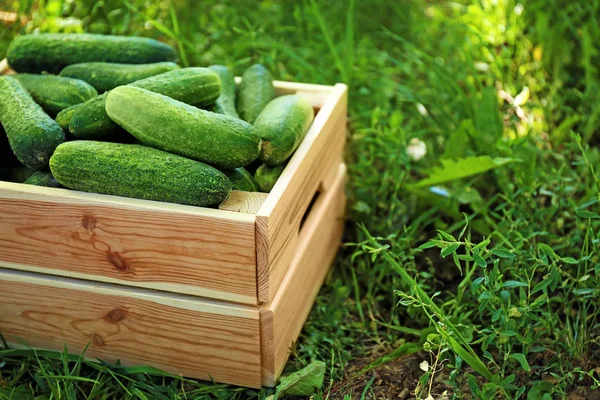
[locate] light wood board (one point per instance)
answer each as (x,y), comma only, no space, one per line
(278,221)
(283,318)
(178,334)
(203,252)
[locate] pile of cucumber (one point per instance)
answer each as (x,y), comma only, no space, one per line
(116,115)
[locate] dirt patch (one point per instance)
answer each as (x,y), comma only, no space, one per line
(396,380)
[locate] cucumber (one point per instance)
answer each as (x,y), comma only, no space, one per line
(241,180)
(282,125)
(107,76)
(266,177)
(225,104)
(55,93)
(32,134)
(131,170)
(195,86)
(43,179)
(51,52)
(256,91)
(162,122)
(64,117)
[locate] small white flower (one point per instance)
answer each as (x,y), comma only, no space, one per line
(422,110)
(518,9)
(522,97)
(481,66)
(424,366)
(416,149)
(430,397)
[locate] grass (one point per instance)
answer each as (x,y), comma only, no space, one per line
(481,257)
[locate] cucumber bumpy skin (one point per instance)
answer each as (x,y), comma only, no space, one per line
(55,93)
(51,52)
(63,118)
(266,177)
(107,76)
(225,104)
(256,91)
(167,124)
(41,178)
(195,86)
(32,134)
(241,180)
(282,125)
(131,170)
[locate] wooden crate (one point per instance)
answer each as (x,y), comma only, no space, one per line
(207,293)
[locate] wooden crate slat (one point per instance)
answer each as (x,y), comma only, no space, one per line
(244,202)
(179,334)
(283,318)
(278,220)
(209,253)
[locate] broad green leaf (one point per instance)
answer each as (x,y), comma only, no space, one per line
(547,250)
(452,170)
(479,260)
(502,253)
(303,382)
(450,249)
(521,359)
(513,284)
(569,260)
(587,214)
(541,286)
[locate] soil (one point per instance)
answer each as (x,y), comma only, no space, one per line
(396,380)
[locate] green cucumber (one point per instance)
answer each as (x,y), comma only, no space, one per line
(241,180)
(107,76)
(266,177)
(51,52)
(63,118)
(55,93)
(225,104)
(131,170)
(43,179)
(256,91)
(162,122)
(282,125)
(32,134)
(195,86)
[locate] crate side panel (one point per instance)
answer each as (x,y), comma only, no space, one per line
(279,218)
(283,318)
(193,253)
(171,335)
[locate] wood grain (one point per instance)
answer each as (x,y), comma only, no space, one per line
(283,318)
(244,202)
(202,252)
(178,334)
(5,68)
(309,170)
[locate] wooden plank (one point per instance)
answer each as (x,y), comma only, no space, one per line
(5,68)
(278,221)
(179,334)
(191,250)
(244,202)
(283,318)
(317,95)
